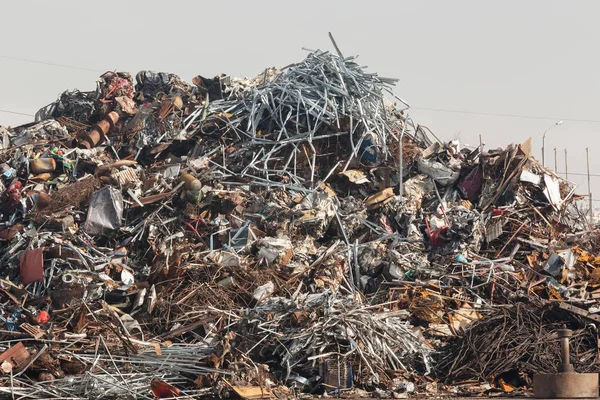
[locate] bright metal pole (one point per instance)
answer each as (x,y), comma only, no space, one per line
(544,142)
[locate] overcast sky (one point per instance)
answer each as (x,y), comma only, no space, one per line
(536,59)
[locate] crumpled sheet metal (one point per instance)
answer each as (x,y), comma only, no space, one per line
(105,212)
(4,138)
(316,212)
(552,190)
(439,172)
(415,190)
(42,130)
(528,176)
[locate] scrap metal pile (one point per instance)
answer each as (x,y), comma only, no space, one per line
(293,233)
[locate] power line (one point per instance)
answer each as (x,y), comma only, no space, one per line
(414,108)
(558,173)
(577,174)
(49,63)
(16,113)
(420,108)
(490,114)
(505,115)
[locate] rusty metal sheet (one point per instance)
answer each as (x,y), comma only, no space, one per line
(579,311)
(17,355)
(34,331)
(253,392)
(32,265)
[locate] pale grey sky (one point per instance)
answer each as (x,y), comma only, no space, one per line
(532,58)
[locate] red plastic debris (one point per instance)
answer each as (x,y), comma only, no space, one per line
(497,212)
(162,390)
(435,238)
(43,317)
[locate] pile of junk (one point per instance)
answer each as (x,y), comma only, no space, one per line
(295,234)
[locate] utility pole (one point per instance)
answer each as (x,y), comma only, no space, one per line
(555,165)
(566,166)
(544,142)
(400,158)
(587,156)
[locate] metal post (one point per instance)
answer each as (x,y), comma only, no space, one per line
(565,365)
(587,157)
(544,150)
(400,172)
(544,141)
(400,167)
(566,166)
(592,208)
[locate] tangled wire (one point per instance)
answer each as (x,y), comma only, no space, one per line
(519,339)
